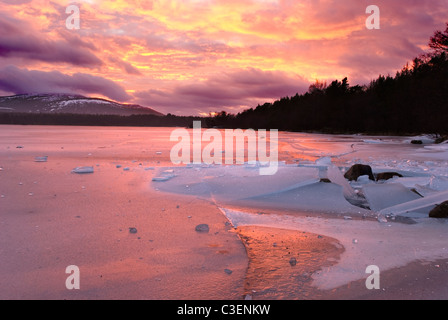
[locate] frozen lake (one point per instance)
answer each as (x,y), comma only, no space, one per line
(36,175)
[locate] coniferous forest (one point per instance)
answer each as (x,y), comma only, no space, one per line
(414,100)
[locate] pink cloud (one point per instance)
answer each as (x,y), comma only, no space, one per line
(228,91)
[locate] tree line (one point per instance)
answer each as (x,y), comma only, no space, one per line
(68,119)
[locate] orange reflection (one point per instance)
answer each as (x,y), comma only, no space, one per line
(281,262)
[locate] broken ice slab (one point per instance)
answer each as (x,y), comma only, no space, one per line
(410,182)
(235,182)
(317,197)
(325,161)
(424,191)
(419,205)
(380,196)
(162,178)
(41,159)
(438,183)
(83,170)
(335,176)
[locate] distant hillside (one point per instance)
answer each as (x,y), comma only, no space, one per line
(72,104)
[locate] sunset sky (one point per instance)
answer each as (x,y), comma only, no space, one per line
(191,57)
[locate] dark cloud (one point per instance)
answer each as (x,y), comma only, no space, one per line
(32,48)
(20,81)
(15,42)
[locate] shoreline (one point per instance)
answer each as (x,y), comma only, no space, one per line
(360,134)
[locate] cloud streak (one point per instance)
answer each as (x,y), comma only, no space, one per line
(21,81)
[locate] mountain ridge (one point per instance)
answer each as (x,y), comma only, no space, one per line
(69,103)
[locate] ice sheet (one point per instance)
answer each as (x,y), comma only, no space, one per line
(418,205)
(292,187)
(227,183)
(381,196)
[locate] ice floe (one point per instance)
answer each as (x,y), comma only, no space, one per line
(83,170)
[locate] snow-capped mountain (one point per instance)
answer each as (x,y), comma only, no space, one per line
(66,103)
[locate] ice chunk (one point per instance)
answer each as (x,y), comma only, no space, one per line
(410,182)
(325,161)
(417,205)
(335,176)
(423,138)
(41,159)
(374,141)
(382,218)
(162,178)
(82,170)
(424,191)
(382,196)
(438,183)
(363,179)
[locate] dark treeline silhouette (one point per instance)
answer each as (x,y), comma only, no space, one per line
(96,120)
(415,100)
